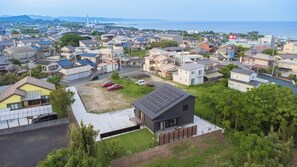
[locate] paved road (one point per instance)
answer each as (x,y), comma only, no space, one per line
(26,149)
(126,71)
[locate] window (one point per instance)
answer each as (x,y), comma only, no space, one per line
(193,72)
(15,106)
(200,72)
(45,99)
(173,122)
(185,107)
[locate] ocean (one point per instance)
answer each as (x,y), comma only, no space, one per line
(280,29)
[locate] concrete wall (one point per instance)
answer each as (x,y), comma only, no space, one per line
(34,126)
(239,86)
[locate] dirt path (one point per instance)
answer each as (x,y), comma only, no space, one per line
(99,100)
(203,142)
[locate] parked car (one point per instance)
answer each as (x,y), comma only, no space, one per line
(45,117)
(150,85)
(140,82)
(106,84)
(115,87)
(94,77)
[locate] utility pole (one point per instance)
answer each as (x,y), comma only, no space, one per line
(273,60)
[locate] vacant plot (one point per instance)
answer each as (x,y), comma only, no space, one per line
(206,150)
(99,100)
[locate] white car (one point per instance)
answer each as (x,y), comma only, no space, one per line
(140,82)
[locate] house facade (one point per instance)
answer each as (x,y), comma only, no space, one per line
(48,66)
(76,72)
(290,48)
(165,107)
(23,54)
(88,44)
(243,80)
(189,74)
(67,52)
(28,92)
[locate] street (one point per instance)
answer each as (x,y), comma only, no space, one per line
(127,71)
(26,149)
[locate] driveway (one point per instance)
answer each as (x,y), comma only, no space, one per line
(102,123)
(26,149)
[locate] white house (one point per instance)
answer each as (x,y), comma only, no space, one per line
(189,74)
(76,72)
(243,80)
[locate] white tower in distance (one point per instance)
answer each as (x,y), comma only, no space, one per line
(88,23)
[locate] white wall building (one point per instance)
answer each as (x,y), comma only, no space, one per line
(189,74)
(243,80)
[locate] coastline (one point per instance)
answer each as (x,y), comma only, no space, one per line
(283,29)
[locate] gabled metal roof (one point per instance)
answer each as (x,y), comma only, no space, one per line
(160,100)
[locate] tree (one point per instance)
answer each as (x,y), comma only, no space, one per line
(71,39)
(226,70)
(270,52)
(115,76)
(164,44)
(15,32)
(81,153)
(60,100)
(112,148)
(55,80)
(15,61)
(241,50)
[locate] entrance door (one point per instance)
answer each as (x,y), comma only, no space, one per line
(162,125)
(141,116)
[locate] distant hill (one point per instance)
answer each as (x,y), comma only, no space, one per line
(22,18)
(38,18)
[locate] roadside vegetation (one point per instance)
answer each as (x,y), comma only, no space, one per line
(85,152)
(60,100)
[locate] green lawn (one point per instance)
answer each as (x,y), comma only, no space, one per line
(132,90)
(130,143)
(139,53)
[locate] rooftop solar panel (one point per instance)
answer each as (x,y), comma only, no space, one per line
(159,100)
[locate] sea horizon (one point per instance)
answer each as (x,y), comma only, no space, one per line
(283,29)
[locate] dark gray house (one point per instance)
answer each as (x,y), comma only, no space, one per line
(165,107)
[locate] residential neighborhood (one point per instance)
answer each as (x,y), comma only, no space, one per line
(82,91)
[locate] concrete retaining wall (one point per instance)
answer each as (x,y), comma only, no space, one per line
(34,126)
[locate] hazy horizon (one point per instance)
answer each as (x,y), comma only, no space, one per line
(187,10)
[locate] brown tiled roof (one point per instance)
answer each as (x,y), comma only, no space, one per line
(14,89)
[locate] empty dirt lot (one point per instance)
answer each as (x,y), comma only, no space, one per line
(99,100)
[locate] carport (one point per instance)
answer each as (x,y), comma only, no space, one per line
(14,118)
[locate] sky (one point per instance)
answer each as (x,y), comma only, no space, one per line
(174,10)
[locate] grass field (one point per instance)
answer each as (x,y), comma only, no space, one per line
(208,152)
(132,90)
(130,143)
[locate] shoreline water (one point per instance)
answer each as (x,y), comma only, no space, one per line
(283,29)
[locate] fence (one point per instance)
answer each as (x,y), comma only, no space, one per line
(177,134)
(34,126)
